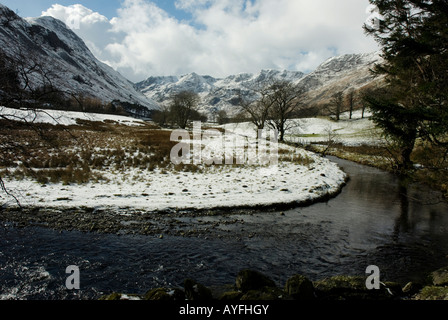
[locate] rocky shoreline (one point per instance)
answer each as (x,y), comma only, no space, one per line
(128,221)
(252,285)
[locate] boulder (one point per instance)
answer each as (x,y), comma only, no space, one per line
(433,293)
(353,288)
(412,288)
(111,297)
(231,296)
(196,291)
(265,294)
(440,277)
(115,296)
(247,280)
(300,288)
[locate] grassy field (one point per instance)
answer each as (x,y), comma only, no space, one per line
(80,153)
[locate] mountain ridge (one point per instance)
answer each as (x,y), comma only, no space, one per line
(67,58)
(339,73)
(216,93)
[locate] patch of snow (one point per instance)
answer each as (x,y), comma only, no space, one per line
(67,118)
(350,132)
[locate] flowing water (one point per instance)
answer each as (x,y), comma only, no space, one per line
(374,221)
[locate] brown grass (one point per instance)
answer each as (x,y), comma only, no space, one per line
(74,154)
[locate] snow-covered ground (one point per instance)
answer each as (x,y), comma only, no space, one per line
(152,191)
(355,131)
(217,186)
(350,132)
(66,118)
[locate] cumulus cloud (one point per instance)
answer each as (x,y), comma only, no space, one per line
(89,25)
(223,37)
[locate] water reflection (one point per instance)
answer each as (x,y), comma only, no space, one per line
(402,222)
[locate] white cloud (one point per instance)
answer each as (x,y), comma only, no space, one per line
(224,36)
(91,26)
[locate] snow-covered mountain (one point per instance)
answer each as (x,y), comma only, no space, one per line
(66,58)
(336,74)
(340,74)
(216,94)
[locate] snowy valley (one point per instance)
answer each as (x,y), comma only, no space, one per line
(72,67)
(151,189)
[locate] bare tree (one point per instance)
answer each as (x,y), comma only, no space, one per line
(284,103)
(183,106)
(26,87)
(258,110)
(331,140)
(162,116)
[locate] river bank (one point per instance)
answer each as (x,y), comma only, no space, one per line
(374,156)
(129,220)
(252,285)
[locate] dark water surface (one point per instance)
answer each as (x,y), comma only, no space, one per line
(374,221)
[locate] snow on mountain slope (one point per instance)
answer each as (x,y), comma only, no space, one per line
(216,94)
(341,73)
(351,71)
(72,66)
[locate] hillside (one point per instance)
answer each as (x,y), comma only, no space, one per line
(342,73)
(66,59)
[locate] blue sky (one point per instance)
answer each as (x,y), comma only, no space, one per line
(142,38)
(108,8)
(34,8)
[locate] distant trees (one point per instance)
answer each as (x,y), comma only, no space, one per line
(278,103)
(336,105)
(414,39)
(222,118)
(180,111)
(162,116)
(284,103)
(351,101)
(258,111)
(342,102)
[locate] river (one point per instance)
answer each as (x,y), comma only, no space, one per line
(374,221)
